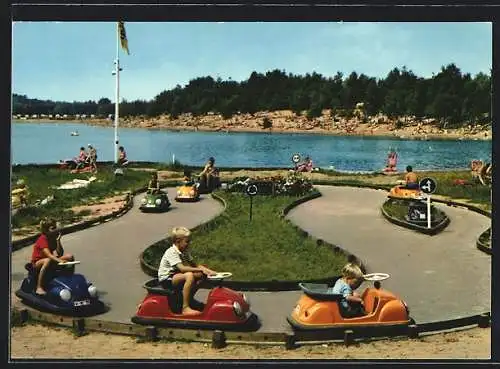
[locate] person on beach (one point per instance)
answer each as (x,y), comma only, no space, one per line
(411,179)
(122,156)
(47,251)
(351,302)
(178,268)
(392,159)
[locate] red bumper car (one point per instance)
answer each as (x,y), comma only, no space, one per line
(224,309)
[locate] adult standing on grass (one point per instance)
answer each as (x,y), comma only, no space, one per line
(92,157)
(177,267)
(47,251)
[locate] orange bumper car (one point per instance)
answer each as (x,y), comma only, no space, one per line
(317,310)
(401,192)
(188,192)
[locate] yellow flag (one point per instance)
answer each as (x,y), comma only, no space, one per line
(123,36)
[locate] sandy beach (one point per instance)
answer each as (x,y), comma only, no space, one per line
(285,121)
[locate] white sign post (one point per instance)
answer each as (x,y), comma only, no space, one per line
(429,211)
(428,186)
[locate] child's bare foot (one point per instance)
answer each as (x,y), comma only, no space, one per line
(40,291)
(188,311)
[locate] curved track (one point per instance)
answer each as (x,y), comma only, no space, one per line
(441,277)
(110,252)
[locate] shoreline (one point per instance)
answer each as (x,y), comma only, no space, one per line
(284,123)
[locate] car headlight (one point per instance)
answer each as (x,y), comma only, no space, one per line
(179,192)
(191,192)
(237,309)
(158,201)
(144,200)
(65,294)
(246,299)
(92,291)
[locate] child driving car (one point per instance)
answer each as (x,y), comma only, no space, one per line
(178,267)
(351,302)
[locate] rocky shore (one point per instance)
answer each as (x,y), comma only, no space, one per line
(285,121)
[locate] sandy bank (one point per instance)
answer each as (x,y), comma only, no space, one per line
(287,122)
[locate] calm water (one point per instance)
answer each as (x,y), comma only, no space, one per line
(50,142)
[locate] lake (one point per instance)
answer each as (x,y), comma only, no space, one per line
(50,142)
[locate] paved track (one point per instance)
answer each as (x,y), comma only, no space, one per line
(441,277)
(110,252)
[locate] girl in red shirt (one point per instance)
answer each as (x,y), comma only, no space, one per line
(47,249)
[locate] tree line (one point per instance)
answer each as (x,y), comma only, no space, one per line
(450,96)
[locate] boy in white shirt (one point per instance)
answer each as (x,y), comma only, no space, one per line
(178,267)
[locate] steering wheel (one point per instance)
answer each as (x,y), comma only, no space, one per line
(68,263)
(376,277)
(220,276)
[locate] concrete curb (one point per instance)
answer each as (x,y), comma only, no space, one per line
(129,203)
(269,286)
(415,227)
(482,246)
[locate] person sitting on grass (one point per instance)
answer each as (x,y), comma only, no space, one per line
(411,179)
(351,302)
(82,158)
(209,177)
(154,184)
(47,251)
(306,166)
(177,267)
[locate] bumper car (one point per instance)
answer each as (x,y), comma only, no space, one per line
(153,202)
(382,311)
(68,293)
(401,192)
(224,309)
(188,192)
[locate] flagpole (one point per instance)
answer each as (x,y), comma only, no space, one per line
(117,91)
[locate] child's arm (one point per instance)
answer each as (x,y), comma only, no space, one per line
(353,298)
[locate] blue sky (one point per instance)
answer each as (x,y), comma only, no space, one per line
(73,60)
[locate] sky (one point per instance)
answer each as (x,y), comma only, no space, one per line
(73,61)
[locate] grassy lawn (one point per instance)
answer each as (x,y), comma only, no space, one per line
(399,210)
(41,182)
(264,249)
